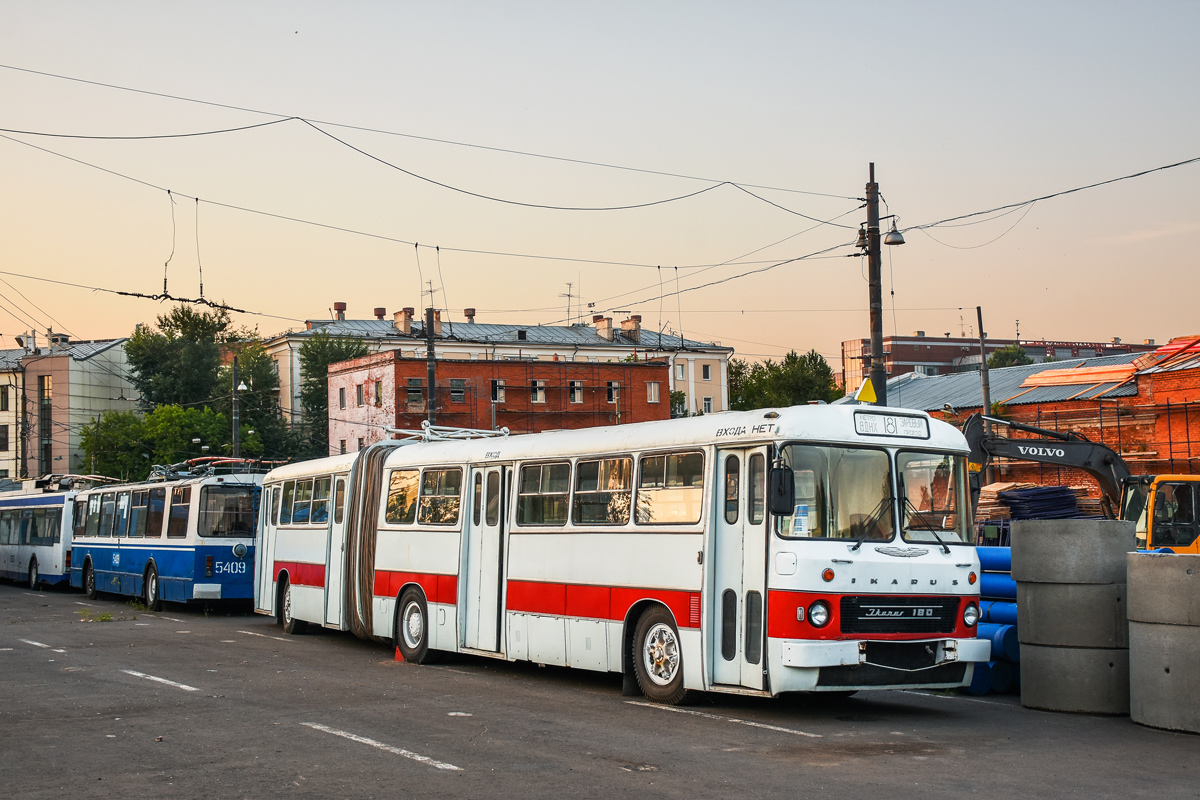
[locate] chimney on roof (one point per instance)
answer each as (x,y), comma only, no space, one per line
(919,334)
(1116,340)
(437,322)
(1148,341)
(631,328)
(380,313)
(469,313)
(604,326)
(339,311)
(402,319)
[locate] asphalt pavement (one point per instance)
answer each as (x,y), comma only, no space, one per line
(99,698)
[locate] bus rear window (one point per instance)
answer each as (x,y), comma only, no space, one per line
(226,511)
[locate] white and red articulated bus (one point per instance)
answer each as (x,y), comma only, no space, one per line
(814,548)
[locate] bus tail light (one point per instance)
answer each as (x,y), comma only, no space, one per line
(208,567)
(67,560)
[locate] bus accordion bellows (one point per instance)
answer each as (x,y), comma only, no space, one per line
(815,548)
(35,531)
(185,534)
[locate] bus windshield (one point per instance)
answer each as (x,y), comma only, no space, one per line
(933,490)
(841,493)
(226,511)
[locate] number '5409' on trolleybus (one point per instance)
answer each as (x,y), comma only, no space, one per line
(185,534)
(815,548)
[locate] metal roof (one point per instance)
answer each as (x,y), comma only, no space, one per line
(560,335)
(11,359)
(965,389)
(79,351)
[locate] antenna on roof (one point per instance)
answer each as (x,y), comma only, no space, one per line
(568,296)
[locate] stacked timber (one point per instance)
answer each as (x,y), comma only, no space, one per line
(1071,577)
(997,622)
(1164,640)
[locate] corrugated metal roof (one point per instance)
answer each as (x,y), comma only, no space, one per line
(11,359)
(965,389)
(562,335)
(79,351)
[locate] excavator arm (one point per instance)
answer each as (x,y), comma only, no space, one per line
(1061,449)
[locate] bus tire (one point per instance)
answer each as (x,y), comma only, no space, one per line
(658,658)
(291,625)
(89,581)
(33,573)
(411,634)
(151,597)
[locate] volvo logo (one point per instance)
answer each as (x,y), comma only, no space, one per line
(1052,452)
(902,552)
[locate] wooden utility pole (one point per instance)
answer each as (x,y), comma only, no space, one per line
(875,281)
(989,473)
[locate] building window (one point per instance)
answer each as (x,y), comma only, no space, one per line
(537,391)
(3,437)
(706,372)
(498,391)
(614,391)
(341,397)
(358,394)
(679,371)
(708,405)
(4,398)
(3,473)
(342,445)
(360,443)
(379,393)
(576,390)
(652,390)
(415,394)
(458,390)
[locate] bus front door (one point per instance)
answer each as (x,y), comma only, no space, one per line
(737,610)
(483,560)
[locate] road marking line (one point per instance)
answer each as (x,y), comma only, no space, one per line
(35,644)
(56,650)
(387,747)
(172,619)
(89,605)
(265,636)
(156,679)
(5,649)
(762,725)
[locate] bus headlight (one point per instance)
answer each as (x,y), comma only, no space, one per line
(970,615)
(239,550)
(818,614)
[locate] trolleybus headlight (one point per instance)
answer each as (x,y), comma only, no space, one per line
(970,615)
(818,614)
(239,550)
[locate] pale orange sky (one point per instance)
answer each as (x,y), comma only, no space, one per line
(961,108)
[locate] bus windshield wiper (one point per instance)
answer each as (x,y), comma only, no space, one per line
(908,504)
(872,519)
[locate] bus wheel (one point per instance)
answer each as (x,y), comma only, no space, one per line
(33,573)
(89,581)
(150,590)
(291,625)
(658,659)
(411,636)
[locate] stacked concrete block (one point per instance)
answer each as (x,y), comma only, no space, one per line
(1164,640)
(1071,613)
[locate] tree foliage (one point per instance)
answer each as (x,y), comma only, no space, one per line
(125,444)
(258,405)
(316,354)
(177,362)
(795,380)
(1011,355)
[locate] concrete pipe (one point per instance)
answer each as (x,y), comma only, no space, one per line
(1079,679)
(1072,615)
(1164,640)
(1070,550)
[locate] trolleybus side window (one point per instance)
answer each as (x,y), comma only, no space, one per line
(53,525)
(122,520)
(6,527)
(603,490)
(26,526)
(733,483)
(475,518)
(78,518)
(402,497)
(108,510)
(440,490)
(137,514)
(841,493)
(154,511)
(493,498)
(320,501)
(181,506)
(302,503)
(285,507)
(37,522)
(758,489)
(339,500)
(542,498)
(670,489)
(92,524)
(226,510)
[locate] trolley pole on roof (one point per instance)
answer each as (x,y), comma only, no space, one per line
(430,412)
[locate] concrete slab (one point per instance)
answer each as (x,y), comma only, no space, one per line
(1066,615)
(1079,679)
(1070,550)
(1164,684)
(1164,588)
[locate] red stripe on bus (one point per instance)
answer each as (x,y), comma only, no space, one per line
(597,602)
(437,588)
(782,608)
(301,574)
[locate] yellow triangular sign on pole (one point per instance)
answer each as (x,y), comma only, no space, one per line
(866,392)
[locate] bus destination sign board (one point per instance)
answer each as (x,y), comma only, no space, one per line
(905,427)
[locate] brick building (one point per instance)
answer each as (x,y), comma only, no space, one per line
(938,355)
(368,395)
(1145,406)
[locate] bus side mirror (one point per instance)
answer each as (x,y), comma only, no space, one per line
(781,492)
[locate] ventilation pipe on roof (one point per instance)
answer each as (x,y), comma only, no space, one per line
(631,328)
(380,313)
(402,319)
(604,326)
(469,313)
(339,311)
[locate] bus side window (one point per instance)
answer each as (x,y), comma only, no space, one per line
(5,527)
(154,512)
(181,501)
(54,526)
(108,510)
(402,497)
(733,482)
(137,513)
(475,512)
(37,523)
(26,526)
(440,491)
(122,521)
(320,501)
(285,510)
(301,506)
(91,526)
(758,489)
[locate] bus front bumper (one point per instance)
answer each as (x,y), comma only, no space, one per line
(915,655)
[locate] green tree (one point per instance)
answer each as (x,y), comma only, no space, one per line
(177,362)
(795,380)
(124,444)
(258,404)
(316,354)
(1011,355)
